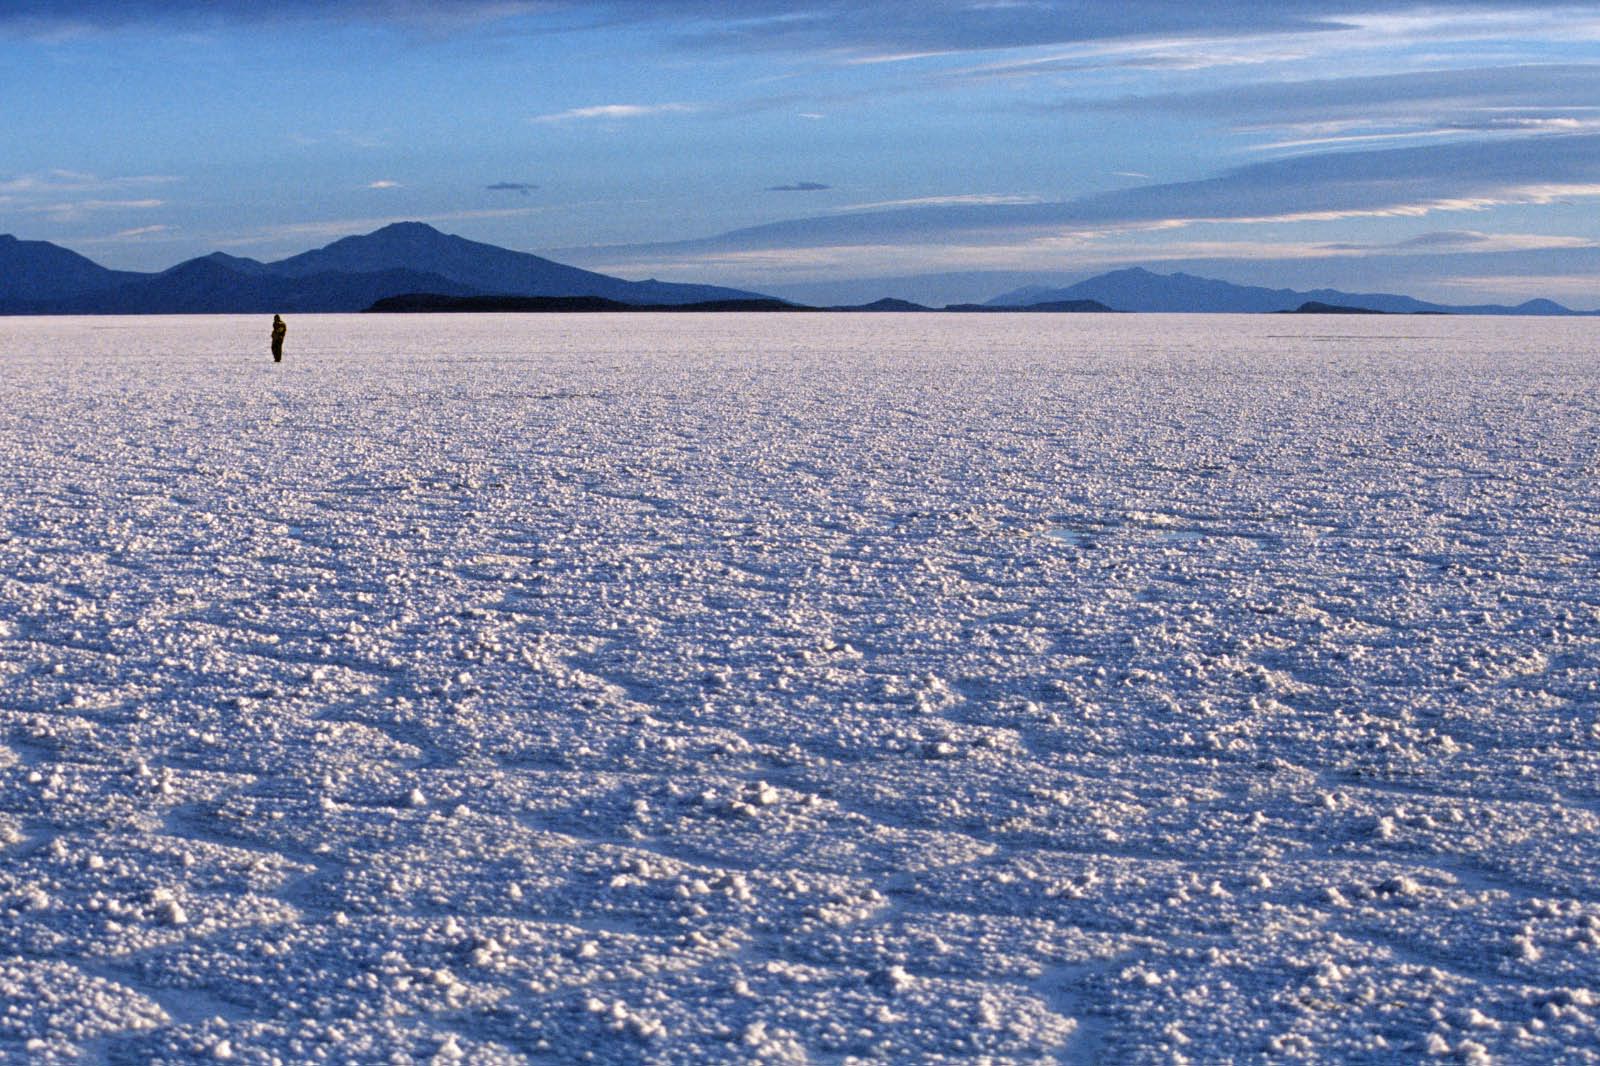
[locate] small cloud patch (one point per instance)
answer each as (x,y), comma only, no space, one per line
(138,232)
(522,187)
(800,186)
(610,112)
(1445,239)
(383,184)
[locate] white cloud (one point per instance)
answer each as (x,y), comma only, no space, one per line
(1447,241)
(932,201)
(57,182)
(616,111)
(76,210)
(1579,289)
(138,233)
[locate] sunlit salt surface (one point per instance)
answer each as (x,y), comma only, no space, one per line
(710,689)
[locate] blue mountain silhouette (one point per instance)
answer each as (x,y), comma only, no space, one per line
(39,270)
(1137,289)
(348,275)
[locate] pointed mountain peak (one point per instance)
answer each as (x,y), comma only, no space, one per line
(399,245)
(233,262)
(405,240)
(406,234)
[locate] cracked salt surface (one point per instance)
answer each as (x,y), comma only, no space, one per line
(848,688)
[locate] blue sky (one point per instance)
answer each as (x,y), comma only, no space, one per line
(941,150)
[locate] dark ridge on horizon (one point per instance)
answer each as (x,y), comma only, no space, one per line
(437,303)
(887,304)
(1315,307)
(410,258)
(1049,306)
(432,302)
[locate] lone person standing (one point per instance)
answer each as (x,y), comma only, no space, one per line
(278,330)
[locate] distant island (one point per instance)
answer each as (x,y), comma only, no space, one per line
(410,266)
(1317,307)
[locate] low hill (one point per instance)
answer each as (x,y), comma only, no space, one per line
(1047,306)
(887,304)
(1314,307)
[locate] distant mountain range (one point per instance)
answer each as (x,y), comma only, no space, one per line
(437,271)
(430,303)
(351,274)
(1137,289)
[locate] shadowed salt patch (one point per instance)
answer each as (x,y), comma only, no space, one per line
(1212,537)
(1215,537)
(1080,538)
(1072,537)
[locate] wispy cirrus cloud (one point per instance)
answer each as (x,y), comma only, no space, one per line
(1320,112)
(1411,182)
(800,186)
(135,234)
(615,112)
(1471,90)
(105,205)
(1578,289)
(58,182)
(892,30)
(1179,36)
(65,196)
(78,210)
(1334,135)
(65,19)
(1475,241)
(957,199)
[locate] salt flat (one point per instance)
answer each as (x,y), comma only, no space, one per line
(805,688)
